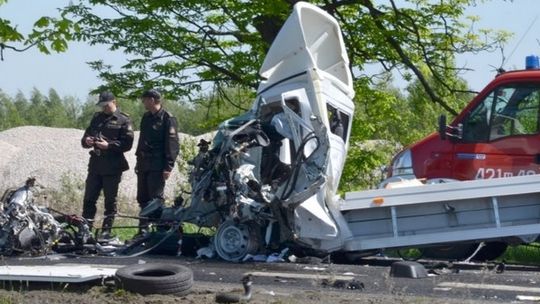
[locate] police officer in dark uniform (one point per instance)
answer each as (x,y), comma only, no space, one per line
(109,135)
(156,151)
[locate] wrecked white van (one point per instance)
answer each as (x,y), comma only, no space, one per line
(270,176)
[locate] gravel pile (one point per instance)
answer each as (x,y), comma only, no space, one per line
(50,153)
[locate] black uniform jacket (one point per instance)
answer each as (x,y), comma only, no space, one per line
(117,130)
(158,143)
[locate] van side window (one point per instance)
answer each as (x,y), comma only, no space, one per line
(339,121)
(506,111)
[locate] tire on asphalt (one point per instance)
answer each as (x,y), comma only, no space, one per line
(155,278)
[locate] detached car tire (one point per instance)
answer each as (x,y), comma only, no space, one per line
(155,278)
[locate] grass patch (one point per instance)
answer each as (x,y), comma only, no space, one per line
(405,253)
(124,234)
(6,300)
(522,254)
(190,228)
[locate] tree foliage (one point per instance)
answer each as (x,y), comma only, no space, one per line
(386,120)
(48,34)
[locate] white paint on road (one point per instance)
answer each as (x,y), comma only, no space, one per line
(490,286)
(527,298)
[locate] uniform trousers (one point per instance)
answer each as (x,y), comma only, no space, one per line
(94,184)
(150,185)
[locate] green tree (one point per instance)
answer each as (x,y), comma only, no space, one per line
(386,120)
(54,112)
(21,103)
(72,110)
(37,109)
(9,115)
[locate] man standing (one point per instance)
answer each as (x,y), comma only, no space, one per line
(110,134)
(156,151)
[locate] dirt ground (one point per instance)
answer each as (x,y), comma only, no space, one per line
(202,293)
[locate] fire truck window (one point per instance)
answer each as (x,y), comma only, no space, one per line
(476,126)
(516,112)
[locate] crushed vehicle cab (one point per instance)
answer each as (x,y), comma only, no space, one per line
(271,175)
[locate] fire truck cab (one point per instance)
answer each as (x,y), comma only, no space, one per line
(496,135)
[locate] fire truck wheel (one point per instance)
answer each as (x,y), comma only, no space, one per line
(155,278)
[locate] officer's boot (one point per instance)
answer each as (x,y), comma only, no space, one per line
(90,223)
(143,227)
(106,227)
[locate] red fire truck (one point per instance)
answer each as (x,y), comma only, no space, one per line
(496,135)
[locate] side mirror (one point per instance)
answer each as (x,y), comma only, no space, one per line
(449,131)
(442,126)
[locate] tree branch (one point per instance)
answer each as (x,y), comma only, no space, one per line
(375,14)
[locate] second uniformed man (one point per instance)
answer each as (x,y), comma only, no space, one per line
(109,135)
(156,151)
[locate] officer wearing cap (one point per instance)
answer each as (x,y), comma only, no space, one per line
(156,151)
(200,161)
(109,135)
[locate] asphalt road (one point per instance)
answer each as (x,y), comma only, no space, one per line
(460,282)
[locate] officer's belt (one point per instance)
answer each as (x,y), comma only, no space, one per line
(144,154)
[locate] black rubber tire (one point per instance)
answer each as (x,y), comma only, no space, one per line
(155,278)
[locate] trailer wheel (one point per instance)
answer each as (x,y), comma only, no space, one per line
(351,257)
(450,252)
(490,251)
(155,279)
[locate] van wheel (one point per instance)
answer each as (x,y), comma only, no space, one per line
(234,241)
(155,278)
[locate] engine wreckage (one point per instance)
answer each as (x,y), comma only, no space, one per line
(269,177)
(26,227)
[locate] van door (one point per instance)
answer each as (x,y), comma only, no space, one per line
(501,135)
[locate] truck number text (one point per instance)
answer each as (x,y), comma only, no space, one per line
(485,173)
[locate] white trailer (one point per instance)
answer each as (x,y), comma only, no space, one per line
(506,209)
